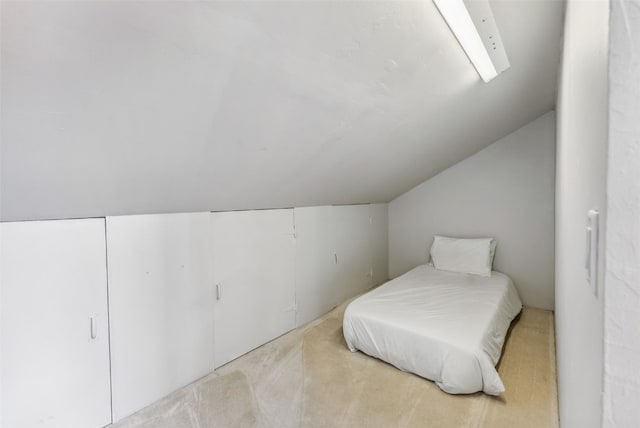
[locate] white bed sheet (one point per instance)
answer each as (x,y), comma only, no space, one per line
(444,326)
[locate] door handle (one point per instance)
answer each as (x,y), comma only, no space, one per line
(93,327)
(592,248)
(218,292)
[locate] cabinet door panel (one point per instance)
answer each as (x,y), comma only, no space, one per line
(253,266)
(379,244)
(316,268)
(161,305)
(53,278)
(353,251)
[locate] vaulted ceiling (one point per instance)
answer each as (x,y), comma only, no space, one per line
(142,107)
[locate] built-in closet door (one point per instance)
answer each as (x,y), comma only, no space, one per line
(253,266)
(316,231)
(161,306)
(379,243)
(334,256)
(55,344)
(352,251)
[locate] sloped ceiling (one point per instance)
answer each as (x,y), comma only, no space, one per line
(142,107)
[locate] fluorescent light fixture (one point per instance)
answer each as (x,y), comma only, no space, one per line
(480,40)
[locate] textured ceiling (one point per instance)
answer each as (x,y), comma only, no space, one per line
(142,107)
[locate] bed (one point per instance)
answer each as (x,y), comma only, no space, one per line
(448,327)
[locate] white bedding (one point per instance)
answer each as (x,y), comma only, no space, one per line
(444,326)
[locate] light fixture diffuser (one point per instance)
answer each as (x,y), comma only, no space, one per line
(473,25)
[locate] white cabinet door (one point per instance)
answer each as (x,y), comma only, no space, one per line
(253,265)
(161,306)
(353,252)
(333,257)
(379,244)
(316,231)
(55,345)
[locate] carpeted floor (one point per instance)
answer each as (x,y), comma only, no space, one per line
(308,378)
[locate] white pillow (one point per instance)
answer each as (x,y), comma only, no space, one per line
(473,256)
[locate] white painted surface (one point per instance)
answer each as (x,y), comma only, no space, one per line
(352,251)
(161,306)
(340,252)
(379,243)
(505,191)
(113,108)
(253,266)
(622,280)
(53,280)
(316,270)
(580,186)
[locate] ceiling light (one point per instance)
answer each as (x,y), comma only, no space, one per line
(473,25)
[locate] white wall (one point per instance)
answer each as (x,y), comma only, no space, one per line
(580,186)
(505,191)
(142,107)
(622,280)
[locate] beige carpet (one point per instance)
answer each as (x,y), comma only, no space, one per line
(308,378)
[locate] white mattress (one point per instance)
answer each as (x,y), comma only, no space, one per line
(444,326)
